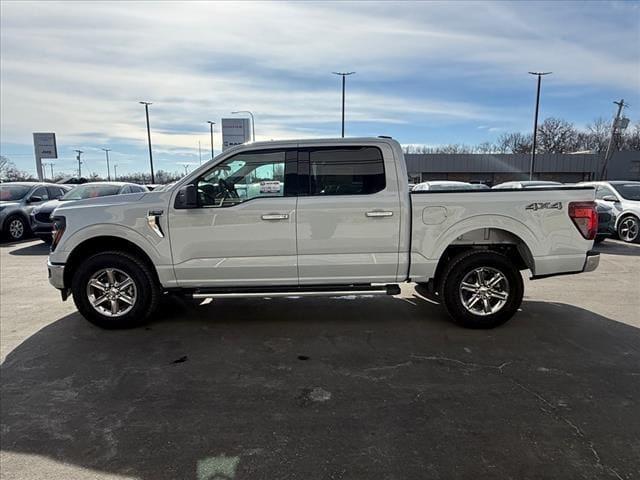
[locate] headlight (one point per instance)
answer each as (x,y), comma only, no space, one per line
(59,225)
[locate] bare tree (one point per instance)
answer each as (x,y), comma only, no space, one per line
(557,136)
(514,142)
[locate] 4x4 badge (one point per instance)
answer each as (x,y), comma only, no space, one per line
(544,206)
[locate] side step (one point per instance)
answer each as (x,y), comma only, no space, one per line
(301,291)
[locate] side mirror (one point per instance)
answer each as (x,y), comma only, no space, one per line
(610,198)
(35,199)
(187,197)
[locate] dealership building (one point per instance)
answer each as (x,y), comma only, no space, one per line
(493,169)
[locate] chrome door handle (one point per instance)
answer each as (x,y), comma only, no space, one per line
(379,213)
(275,216)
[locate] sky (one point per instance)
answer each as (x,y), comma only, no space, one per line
(429,73)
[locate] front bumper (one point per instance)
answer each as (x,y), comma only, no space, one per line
(56,275)
(592,261)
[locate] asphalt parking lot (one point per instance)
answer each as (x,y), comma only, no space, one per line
(338,388)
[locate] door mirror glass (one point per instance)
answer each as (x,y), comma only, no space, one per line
(187,197)
(610,198)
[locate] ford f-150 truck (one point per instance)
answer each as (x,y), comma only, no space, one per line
(316,217)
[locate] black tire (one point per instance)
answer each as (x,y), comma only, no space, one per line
(148,292)
(16,228)
(465,263)
(629,229)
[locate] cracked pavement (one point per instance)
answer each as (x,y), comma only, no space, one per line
(314,388)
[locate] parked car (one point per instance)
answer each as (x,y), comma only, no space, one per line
(40,218)
(338,218)
(527,184)
(606,222)
(17,199)
(624,198)
(439,185)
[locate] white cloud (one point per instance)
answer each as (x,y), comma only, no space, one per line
(80,68)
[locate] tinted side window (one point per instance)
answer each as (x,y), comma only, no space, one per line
(136,189)
(602,192)
(346,171)
(55,192)
(125,189)
(41,192)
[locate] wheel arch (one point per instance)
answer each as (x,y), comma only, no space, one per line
(104,243)
(486,239)
(16,213)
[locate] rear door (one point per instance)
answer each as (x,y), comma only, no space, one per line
(348,226)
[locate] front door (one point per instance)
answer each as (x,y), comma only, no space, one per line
(243,231)
(348,216)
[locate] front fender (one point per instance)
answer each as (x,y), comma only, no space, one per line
(158,255)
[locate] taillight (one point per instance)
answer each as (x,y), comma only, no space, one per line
(59,224)
(585,218)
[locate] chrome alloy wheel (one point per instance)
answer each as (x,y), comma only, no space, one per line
(16,228)
(111,292)
(484,291)
(629,229)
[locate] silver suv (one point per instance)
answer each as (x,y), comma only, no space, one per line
(17,199)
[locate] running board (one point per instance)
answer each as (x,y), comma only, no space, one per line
(311,291)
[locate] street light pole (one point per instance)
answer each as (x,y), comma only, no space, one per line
(211,124)
(106,151)
(115,171)
(146,109)
(79,152)
(253,122)
(344,75)
(535,123)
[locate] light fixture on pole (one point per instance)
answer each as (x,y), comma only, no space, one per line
(344,75)
(211,124)
(535,123)
(253,122)
(146,109)
(106,151)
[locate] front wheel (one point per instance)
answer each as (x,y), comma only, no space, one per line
(115,290)
(629,229)
(17,228)
(481,289)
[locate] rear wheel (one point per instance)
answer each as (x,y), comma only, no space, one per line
(629,229)
(481,289)
(115,290)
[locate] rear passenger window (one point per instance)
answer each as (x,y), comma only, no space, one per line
(346,171)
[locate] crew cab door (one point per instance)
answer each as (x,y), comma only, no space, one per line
(243,229)
(348,216)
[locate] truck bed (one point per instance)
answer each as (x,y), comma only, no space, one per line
(536,220)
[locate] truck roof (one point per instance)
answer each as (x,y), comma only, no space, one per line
(313,141)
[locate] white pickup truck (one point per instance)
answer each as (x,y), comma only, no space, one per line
(316,217)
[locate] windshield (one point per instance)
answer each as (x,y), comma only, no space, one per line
(628,191)
(10,193)
(91,191)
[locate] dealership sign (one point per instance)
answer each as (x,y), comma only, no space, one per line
(235,131)
(44,145)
